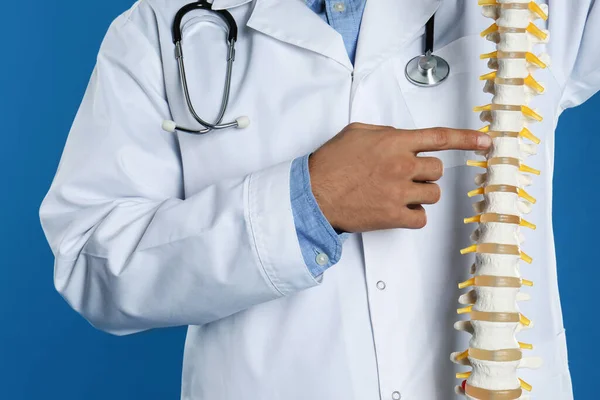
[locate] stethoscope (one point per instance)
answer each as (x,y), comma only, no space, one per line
(426,70)
(232,30)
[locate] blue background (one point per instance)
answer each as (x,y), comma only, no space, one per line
(49,352)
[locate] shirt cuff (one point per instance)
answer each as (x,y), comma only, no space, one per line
(320,245)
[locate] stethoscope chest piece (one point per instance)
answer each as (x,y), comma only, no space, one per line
(427,70)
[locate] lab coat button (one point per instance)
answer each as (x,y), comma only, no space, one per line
(396,395)
(381,285)
(322,259)
(340,7)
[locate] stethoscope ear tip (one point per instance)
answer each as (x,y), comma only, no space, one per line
(242,122)
(169,126)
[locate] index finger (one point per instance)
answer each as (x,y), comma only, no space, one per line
(436,139)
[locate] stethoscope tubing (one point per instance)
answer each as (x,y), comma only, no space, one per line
(224,100)
(232,31)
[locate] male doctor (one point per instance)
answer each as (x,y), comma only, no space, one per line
(302,278)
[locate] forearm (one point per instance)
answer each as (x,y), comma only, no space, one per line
(132,264)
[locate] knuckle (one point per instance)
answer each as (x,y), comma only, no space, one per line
(441,137)
(420,135)
(395,212)
(419,219)
(354,128)
(341,134)
(469,140)
(407,167)
(435,193)
(355,125)
(436,168)
(397,197)
(410,166)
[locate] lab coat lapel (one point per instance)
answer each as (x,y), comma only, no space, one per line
(225,4)
(386,26)
(291,21)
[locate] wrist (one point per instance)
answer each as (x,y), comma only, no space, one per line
(322,193)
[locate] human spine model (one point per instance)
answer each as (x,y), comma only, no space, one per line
(494,354)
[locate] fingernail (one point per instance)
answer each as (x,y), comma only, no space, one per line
(484,141)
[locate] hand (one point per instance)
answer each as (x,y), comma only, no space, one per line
(369,177)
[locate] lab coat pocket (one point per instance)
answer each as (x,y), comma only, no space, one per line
(451,103)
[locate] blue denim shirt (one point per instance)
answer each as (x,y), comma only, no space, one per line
(344,16)
(321,245)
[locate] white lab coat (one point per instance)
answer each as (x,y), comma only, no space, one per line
(152,229)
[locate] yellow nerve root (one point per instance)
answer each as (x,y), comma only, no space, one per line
(523,194)
(464,310)
(530,113)
(462,355)
(470,220)
(525,385)
(529,170)
(537,32)
(526,258)
(526,133)
(525,346)
(524,320)
(476,192)
(532,83)
(470,249)
(493,54)
(466,284)
(525,282)
(487,107)
(463,375)
(527,224)
(487,2)
(533,59)
(481,164)
(536,9)
(491,29)
(488,77)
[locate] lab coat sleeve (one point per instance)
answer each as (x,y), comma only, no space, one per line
(574,44)
(130,252)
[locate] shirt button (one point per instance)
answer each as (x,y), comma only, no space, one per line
(381,286)
(396,395)
(340,7)
(322,259)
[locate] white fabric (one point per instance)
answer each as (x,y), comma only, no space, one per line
(153,229)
